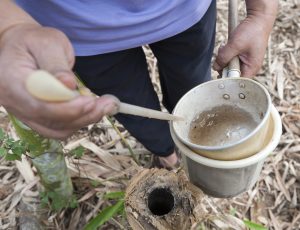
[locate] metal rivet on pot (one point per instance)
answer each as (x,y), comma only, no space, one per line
(242,85)
(261,115)
(226,96)
(242,96)
(221,86)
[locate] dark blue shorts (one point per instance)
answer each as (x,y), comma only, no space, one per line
(184,61)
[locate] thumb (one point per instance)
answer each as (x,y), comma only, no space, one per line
(54,53)
(225,55)
(111,104)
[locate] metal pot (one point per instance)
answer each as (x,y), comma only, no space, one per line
(243,103)
(245,95)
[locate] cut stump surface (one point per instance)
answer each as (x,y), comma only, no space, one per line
(157,199)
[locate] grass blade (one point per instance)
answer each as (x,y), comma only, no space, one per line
(114,195)
(254,226)
(104,216)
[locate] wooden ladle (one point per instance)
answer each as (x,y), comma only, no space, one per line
(46,87)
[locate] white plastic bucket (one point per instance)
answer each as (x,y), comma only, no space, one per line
(228,178)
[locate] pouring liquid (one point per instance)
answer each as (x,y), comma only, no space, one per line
(221,125)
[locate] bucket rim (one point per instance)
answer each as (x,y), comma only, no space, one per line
(236,163)
(227,146)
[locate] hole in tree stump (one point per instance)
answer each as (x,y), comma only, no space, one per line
(160,201)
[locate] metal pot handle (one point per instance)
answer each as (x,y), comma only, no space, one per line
(233,69)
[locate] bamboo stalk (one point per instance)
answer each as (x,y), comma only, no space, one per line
(53,172)
(48,159)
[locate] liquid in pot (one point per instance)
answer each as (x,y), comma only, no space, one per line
(221,125)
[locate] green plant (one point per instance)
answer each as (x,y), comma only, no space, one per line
(253,226)
(108,212)
(52,199)
(11,149)
(47,157)
(232,211)
(77,152)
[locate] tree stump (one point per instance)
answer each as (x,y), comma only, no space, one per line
(157,199)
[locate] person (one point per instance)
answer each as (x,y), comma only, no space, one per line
(101,41)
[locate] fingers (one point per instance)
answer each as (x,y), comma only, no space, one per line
(248,41)
(50,50)
(112,104)
(62,119)
(67,111)
(75,109)
(54,53)
(250,65)
(104,106)
(67,78)
(225,54)
(61,130)
(48,132)
(41,129)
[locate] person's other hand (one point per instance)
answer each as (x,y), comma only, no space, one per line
(249,42)
(25,48)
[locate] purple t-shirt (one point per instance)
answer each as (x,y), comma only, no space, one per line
(102,26)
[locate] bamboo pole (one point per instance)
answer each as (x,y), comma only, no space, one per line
(48,159)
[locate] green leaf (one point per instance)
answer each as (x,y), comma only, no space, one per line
(2,134)
(53,199)
(254,226)
(3,151)
(12,157)
(18,150)
(35,143)
(56,202)
(114,195)
(44,198)
(95,183)
(232,211)
(104,216)
(78,152)
(9,142)
(73,202)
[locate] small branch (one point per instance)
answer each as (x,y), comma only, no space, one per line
(124,141)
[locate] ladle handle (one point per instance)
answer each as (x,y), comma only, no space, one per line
(145,112)
(44,86)
(234,64)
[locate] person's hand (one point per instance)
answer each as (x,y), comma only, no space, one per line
(25,48)
(248,41)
